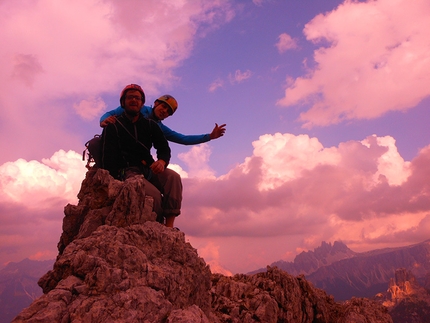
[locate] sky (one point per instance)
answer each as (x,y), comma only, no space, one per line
(326,104)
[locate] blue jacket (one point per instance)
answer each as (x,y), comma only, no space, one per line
(170,135)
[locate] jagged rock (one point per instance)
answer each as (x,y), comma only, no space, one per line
(407,301)
(275,296)
(116,264)
(104,200)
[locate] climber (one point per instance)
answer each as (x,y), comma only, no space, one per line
(126,153)
(165,106)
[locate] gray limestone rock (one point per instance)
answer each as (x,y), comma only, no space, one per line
(117,264)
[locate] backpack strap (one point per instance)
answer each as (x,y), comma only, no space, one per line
(132,135)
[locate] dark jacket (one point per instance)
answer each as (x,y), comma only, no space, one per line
(121,149)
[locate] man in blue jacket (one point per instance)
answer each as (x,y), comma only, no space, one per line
(164,107)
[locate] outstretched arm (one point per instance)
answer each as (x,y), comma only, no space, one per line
(182,139)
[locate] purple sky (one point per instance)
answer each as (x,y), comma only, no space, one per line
(326,104)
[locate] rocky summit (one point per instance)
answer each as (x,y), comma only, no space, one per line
(116,264)
(407,301)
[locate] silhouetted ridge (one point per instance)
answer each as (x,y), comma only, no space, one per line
(308,262)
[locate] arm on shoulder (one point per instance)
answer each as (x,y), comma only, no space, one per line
(116,112)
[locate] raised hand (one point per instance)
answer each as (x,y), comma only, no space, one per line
(218,131)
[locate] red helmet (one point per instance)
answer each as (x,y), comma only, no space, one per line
(134,87)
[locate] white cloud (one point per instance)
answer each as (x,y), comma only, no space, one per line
(285,156)
(35,183)
(178,169)
(391,165)
(197,161)
(374,59)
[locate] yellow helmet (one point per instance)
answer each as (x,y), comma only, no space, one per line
(171,102)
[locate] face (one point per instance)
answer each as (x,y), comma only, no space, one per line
(162,110)
(133,102)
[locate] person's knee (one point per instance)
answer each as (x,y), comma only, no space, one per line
(171,174)
(174,178)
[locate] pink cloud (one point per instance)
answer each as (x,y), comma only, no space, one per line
(90,108)
(218,83)
(60,59)
(197,161)
(291,177)
(32,201)
(234,78)
(210,253)
(292,186)
(239,76)
(26,68)
(374,59)
(291,193)
(285,42)
(37,183)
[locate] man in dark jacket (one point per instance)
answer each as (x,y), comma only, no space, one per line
(126,153)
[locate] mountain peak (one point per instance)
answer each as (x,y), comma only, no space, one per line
(405,299)
(308,262)
(116,264)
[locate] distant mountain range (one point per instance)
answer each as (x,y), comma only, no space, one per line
(18,286)
(345,274)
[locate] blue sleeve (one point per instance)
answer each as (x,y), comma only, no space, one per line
(117,112)
(179,138)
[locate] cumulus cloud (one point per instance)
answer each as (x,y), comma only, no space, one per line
(285,156)
(372,59)
(361,192)
(197,161)
(285,42)
(32,201)
(37,183)
(291,193)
